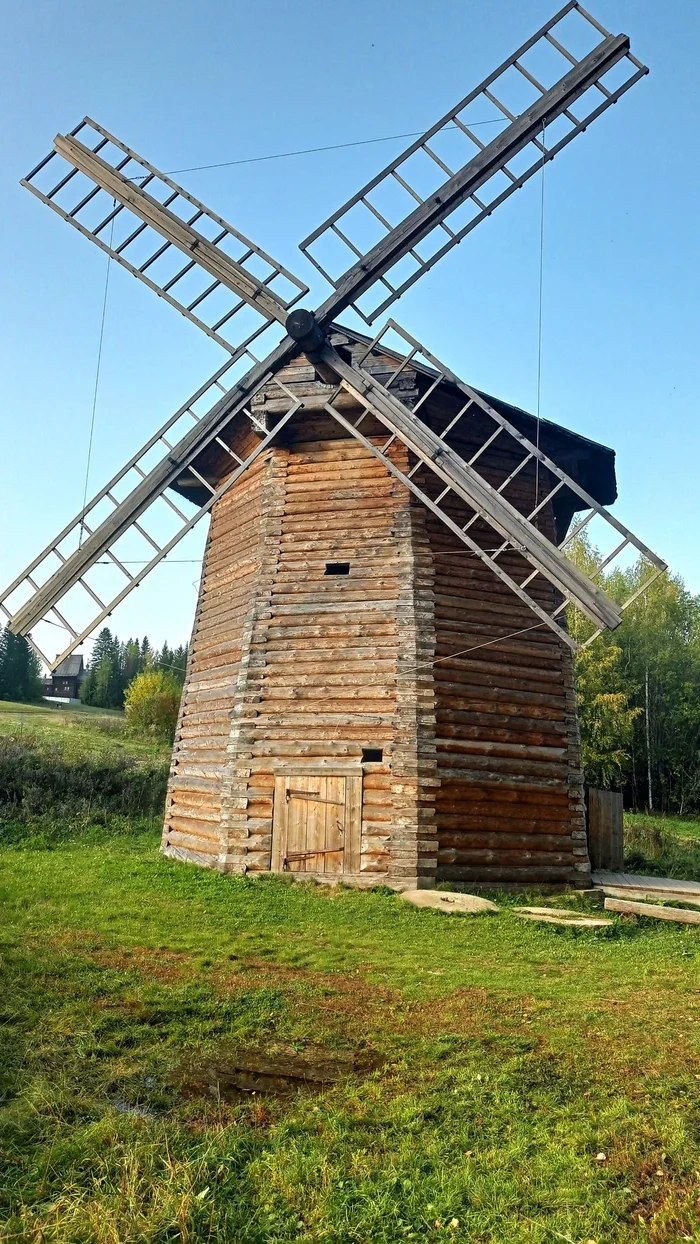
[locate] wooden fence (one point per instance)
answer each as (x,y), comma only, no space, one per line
(605,833)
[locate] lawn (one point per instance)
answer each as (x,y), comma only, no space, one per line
(79,728)
(492,1080)
(663,845)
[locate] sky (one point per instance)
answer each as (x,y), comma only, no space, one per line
(187,85)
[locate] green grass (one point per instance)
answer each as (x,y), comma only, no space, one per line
(663,845)
(508,1056)
(73,775)
(79,729)
(513,1082)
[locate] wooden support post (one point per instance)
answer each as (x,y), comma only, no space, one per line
(605,829)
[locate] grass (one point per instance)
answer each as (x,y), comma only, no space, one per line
(510,1056)
(512,1082)
(663,845)
(74,775)
(79,729)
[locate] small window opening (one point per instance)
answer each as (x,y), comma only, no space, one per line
(372,754)
(337,568)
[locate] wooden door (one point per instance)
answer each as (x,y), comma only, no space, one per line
(316,823)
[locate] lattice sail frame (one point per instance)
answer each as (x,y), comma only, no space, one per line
(432,166)
(431,477)
(159,527)
(96,168)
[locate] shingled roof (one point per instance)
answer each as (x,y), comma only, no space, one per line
(70,667)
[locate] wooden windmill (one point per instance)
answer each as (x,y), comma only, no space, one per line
(380,683)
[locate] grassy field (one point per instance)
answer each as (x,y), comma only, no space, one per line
(78,729)
(665,846)
(493,1080)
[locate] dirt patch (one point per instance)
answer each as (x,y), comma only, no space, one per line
(157,963)
(235,1073)
(162,965)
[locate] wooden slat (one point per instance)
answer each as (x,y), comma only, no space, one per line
(627,907)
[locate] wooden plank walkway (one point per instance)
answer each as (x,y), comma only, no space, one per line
(634,881)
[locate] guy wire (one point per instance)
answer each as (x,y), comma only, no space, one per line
(97,382)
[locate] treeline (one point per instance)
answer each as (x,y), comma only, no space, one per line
(20,669)
(114,665)
(639,692)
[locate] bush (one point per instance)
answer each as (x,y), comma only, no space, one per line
(40,780)
(661,847)
(151,704)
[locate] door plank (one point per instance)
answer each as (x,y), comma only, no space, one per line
(279,825)
(353,823)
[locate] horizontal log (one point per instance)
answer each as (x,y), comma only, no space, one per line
(194,843)
(516,834)
(494,873)
(629,908)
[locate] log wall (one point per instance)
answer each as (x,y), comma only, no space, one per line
(510,801)
(480,778)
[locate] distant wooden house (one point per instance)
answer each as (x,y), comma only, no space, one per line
(65,681)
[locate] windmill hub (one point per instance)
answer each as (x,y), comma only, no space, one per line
(304,328)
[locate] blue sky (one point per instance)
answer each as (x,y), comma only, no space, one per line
(189,84)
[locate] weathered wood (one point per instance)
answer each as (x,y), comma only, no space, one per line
(605,828)
(294,672)
(549,915)
(628,908)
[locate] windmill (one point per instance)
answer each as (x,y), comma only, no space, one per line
(319,731)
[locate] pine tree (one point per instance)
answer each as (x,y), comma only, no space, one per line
(179,662)
(104,684)
(20,671)
(164,659)
(131,660)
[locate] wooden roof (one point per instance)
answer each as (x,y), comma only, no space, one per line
(589,463)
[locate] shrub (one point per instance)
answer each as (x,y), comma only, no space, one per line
(50,792)
(151,704)
(36,779)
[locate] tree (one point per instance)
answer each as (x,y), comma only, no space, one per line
(173,660)
(114,666)
(606,720)
(655,667)
(20,670)
(103,686)
(660,640)
(131,660)
(152,702)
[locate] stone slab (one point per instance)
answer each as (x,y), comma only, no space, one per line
(448,902)
(556,915)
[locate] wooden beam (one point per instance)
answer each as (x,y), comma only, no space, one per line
(627,908)
(160,478)
(172,228)
(476,173)
(473,488)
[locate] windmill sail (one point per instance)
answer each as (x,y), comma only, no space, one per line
(435,192)
(424,202)
(146,222)
(101,190)
(449,485)
(88,569)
